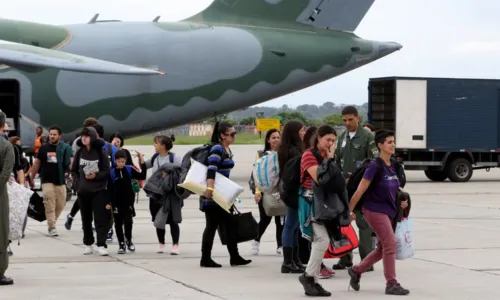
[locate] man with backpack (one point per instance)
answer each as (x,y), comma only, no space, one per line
(354,145)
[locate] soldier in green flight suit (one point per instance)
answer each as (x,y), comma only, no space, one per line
(6,167)
(354,145)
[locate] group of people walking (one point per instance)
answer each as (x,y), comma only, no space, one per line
(105,180)
(308,229)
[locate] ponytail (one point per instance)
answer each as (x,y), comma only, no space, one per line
(215,139)
(219,127)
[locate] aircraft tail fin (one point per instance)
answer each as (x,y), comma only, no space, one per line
(344,15)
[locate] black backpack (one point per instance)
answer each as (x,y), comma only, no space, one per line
(357,175)
(290,181)
(199,154)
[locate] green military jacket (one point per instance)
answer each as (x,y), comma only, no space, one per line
(351,152)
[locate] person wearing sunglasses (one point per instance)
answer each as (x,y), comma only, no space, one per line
(220,160)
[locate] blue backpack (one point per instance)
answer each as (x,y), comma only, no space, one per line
(113,173)
(136,188)
(111,153)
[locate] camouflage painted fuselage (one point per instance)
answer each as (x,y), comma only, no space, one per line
(210,69)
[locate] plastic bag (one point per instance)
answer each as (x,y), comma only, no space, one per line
(19,199)
(404,239)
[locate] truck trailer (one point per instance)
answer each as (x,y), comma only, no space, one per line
(446,127)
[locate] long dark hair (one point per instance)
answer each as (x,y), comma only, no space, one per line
(267,145)
(219,128)
(290,138)
(308,137)
(322,131)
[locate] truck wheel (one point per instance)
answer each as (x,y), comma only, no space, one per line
(436,175)
(460,170)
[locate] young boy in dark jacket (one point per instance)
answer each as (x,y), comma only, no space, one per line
(90,173)
(122,197)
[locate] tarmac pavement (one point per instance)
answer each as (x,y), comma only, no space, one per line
(456,234)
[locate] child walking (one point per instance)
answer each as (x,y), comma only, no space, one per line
(123,197)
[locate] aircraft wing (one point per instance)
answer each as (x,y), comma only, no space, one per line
(22,55)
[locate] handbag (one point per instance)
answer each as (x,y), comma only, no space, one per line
(272,204)
(36,208)
(241,227)
(341,248)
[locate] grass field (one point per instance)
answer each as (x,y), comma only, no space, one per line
(241,139)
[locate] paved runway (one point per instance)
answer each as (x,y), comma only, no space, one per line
(456,233)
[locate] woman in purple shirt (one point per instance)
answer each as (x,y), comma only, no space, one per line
(379,210)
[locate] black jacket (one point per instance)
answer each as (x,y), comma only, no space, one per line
(330,194)
(122,194)
(95,156)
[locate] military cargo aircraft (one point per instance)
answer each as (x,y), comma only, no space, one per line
(232,55)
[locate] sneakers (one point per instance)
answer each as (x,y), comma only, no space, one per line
(161,249)
(311,288)
(396,289)
(110,236)
(175,250)
(69,222)
(102,251)
(255,247)
(355,278)
(325,273)
(341,266)
(121,249)
(53,232)
(88,250)
(279,251)
(130,246)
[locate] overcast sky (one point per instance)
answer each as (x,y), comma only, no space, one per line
(440,38)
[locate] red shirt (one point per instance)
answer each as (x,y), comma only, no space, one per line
(308,160)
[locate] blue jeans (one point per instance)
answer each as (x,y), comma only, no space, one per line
(290,235)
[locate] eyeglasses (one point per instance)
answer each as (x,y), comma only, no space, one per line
(232,134)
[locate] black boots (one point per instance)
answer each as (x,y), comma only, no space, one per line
(289,265)
(296,259)
(207,262)
(236,259)
(6,280)
(311,288)
(206,259)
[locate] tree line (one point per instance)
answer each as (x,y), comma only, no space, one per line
(327,113)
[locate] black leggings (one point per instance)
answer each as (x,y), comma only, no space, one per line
(175,231)
(265,220)
(216,216)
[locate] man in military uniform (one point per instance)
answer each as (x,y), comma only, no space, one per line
(354,145)
(6,167)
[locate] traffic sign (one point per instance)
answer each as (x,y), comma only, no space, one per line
(268,124)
